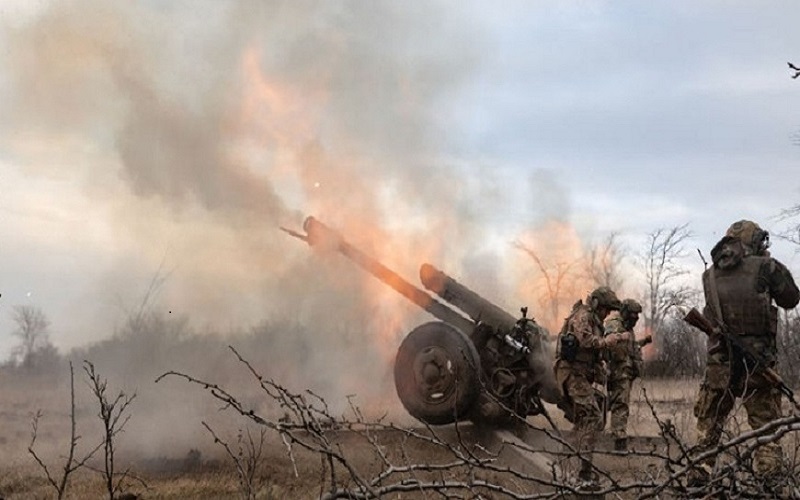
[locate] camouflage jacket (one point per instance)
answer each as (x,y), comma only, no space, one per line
(587,328)
(624,359)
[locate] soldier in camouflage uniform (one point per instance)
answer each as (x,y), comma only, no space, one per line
(579,365)
(740,288)
(624,366)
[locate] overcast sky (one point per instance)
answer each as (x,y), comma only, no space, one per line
(136,135)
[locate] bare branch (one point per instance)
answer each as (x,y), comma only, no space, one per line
(113,415)
(468,469)
(71,464)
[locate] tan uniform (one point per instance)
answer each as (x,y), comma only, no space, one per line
(742,290)
(624,365)
(576,377)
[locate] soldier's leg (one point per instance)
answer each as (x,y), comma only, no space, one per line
(619,394)
(714,403)
(565,404)
(763,405)
(588,419)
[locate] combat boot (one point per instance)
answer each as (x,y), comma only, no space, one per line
(589,480)
(698,477)
(774,485)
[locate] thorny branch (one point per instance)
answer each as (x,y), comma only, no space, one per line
(113,415)
(246,459)
(474,470)
(71,464)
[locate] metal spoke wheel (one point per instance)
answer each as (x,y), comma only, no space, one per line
(436,373)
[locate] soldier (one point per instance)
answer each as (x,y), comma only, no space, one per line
(579,365)
(624,364)
(739,289)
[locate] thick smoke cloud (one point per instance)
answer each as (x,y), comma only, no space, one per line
(208,121)
(182,135)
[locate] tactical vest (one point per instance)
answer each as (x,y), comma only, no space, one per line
(582,354)
(745,309)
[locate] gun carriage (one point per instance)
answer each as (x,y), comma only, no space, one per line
(475,362)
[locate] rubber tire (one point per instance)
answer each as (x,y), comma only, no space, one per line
(463,380)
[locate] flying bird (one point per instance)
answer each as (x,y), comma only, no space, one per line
(795,68)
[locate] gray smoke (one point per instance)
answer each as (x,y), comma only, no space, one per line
(189,131)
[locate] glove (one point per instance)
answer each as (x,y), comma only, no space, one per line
(613,339)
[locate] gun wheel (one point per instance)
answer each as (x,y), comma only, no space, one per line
(436,373)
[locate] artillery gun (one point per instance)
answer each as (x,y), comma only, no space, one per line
(477,362)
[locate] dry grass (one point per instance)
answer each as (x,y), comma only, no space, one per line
(175,471)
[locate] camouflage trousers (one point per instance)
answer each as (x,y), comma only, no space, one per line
(587,416)
(619,396)
(715,401)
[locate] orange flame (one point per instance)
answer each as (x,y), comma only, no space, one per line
(327,183)
(554,260)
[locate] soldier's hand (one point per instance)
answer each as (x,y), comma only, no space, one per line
(615,338)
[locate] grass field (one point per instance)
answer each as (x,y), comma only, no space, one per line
(168,453)
(186,463)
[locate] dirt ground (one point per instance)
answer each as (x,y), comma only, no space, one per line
(196,467)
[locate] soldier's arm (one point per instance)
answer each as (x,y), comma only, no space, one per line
(584,332)
(583,329)
(781,284)
(614,325)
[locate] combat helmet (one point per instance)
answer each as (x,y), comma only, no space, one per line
(750,234)
(604,297)
(629,313)
(630,306)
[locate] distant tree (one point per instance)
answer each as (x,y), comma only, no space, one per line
(660,262)
(788,341)
(603,263)
(792,232)
(681,350)
(32,331)
(558,281)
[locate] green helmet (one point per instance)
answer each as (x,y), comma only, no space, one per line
(629,313)
(604,297)
(630,306)
(751,234)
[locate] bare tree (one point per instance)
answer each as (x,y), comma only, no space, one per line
(71,464)
(788,340)
(791,233)
(660,262)
(113,415)
(32,331)
(603,263)
(557,279)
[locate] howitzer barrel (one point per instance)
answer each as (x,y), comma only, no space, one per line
(475,306)
(318,234)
